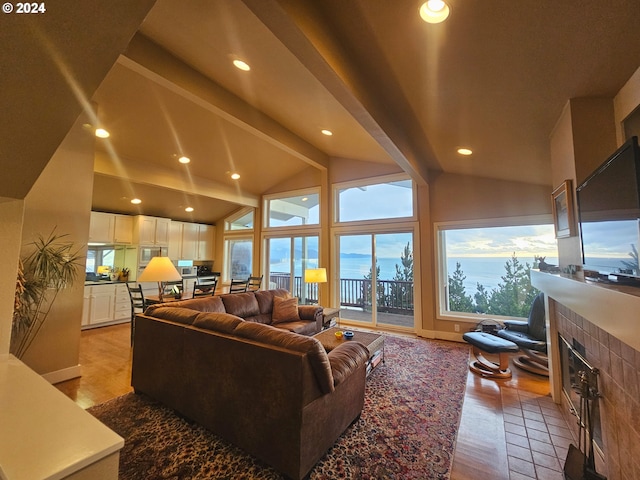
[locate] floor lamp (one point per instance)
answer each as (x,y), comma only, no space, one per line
(316,275)
(160,269)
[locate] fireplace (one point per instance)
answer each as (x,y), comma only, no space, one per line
(572,362)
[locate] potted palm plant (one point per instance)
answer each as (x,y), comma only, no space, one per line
(51,265)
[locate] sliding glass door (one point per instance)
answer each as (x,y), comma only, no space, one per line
(288,258)
(376,278)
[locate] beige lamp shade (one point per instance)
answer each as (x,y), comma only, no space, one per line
(160,269)
(315,275)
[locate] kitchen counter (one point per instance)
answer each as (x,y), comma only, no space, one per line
(105,282)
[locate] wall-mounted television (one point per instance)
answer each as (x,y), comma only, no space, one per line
(609,214)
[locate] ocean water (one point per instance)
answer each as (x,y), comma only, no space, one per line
(484,270)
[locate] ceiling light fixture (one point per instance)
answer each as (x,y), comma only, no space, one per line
(136,201)
(328,133)
(184,160)
(235,176)
(464,151)
(434,11)
(241,65)
(188,209)
(102,133)
(304,199)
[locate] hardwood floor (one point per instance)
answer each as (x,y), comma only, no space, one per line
(510,429)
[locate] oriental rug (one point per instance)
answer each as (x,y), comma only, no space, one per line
(407,429)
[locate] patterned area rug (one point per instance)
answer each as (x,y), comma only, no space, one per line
(407,429)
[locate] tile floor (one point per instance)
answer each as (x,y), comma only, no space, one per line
(537,436)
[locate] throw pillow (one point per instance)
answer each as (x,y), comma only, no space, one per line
(285,310)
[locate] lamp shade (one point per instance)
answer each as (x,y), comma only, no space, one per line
(160,269)
(315,275)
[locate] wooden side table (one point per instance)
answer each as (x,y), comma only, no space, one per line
(330,317)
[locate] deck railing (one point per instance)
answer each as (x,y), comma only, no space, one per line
(393,296)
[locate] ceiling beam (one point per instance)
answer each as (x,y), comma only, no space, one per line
(356,86)
(150,60)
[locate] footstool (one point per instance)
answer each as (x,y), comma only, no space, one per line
(482,342)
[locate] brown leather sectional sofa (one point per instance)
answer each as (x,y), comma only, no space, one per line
(275,393)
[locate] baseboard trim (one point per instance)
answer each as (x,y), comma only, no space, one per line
(437,335)
(63,375)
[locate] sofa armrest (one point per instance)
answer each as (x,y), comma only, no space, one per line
(516,325)
(345,359)
(311,312)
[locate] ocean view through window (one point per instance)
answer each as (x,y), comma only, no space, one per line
(485,270)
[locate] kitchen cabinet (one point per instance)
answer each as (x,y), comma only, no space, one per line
(110,228)
(152,230)
(191,241)
(105,304)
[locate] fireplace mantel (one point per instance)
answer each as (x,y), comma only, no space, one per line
(613,308)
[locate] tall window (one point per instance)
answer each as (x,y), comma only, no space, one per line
(238,254)
(485,270)
(238,245)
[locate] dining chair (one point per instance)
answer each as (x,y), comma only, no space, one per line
(254,283)
(137,305)
(205,286)
(238,286)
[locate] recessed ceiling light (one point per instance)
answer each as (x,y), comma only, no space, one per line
(241,65)
(235,176)
(304,199)
(434,11)
(136,201)
(328,133)
(464,151)
(184,160)
(188,209)
(102,133)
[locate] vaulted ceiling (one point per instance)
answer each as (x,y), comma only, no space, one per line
(494,78)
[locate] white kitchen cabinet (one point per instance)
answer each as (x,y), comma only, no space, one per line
(206,242)
(105,304)
(191,241)
(110,228)
(152,230)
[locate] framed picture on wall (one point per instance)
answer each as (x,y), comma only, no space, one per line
(562,207)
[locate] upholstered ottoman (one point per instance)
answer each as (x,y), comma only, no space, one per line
(486,343)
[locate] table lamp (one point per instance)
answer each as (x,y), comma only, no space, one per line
(315,275)
(160,269)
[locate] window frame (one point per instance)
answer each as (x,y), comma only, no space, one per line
(369,181)
(441,277)
(235,216)
(266,199)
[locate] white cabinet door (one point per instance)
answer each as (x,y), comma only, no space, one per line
(101,227)
(123,229)
(206,239)
(101,309)
(86,305)
(175,240)
(122,309)
(163,227)
(190,241)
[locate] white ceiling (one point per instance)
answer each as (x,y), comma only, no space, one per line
(494,77)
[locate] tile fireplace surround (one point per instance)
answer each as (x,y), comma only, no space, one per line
(606,321)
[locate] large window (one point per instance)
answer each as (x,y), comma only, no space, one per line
(388,199)
(296,209)
(485,270)
(238,254)
(288,259)
(243,220)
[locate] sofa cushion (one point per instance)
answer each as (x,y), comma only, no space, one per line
(292,341)
(265,298)
(345,358)
(284,310)
(302,327)
(185,316)
(219,322)
(241,304)
(202,304)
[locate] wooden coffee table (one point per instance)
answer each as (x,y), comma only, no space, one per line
(373,342)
